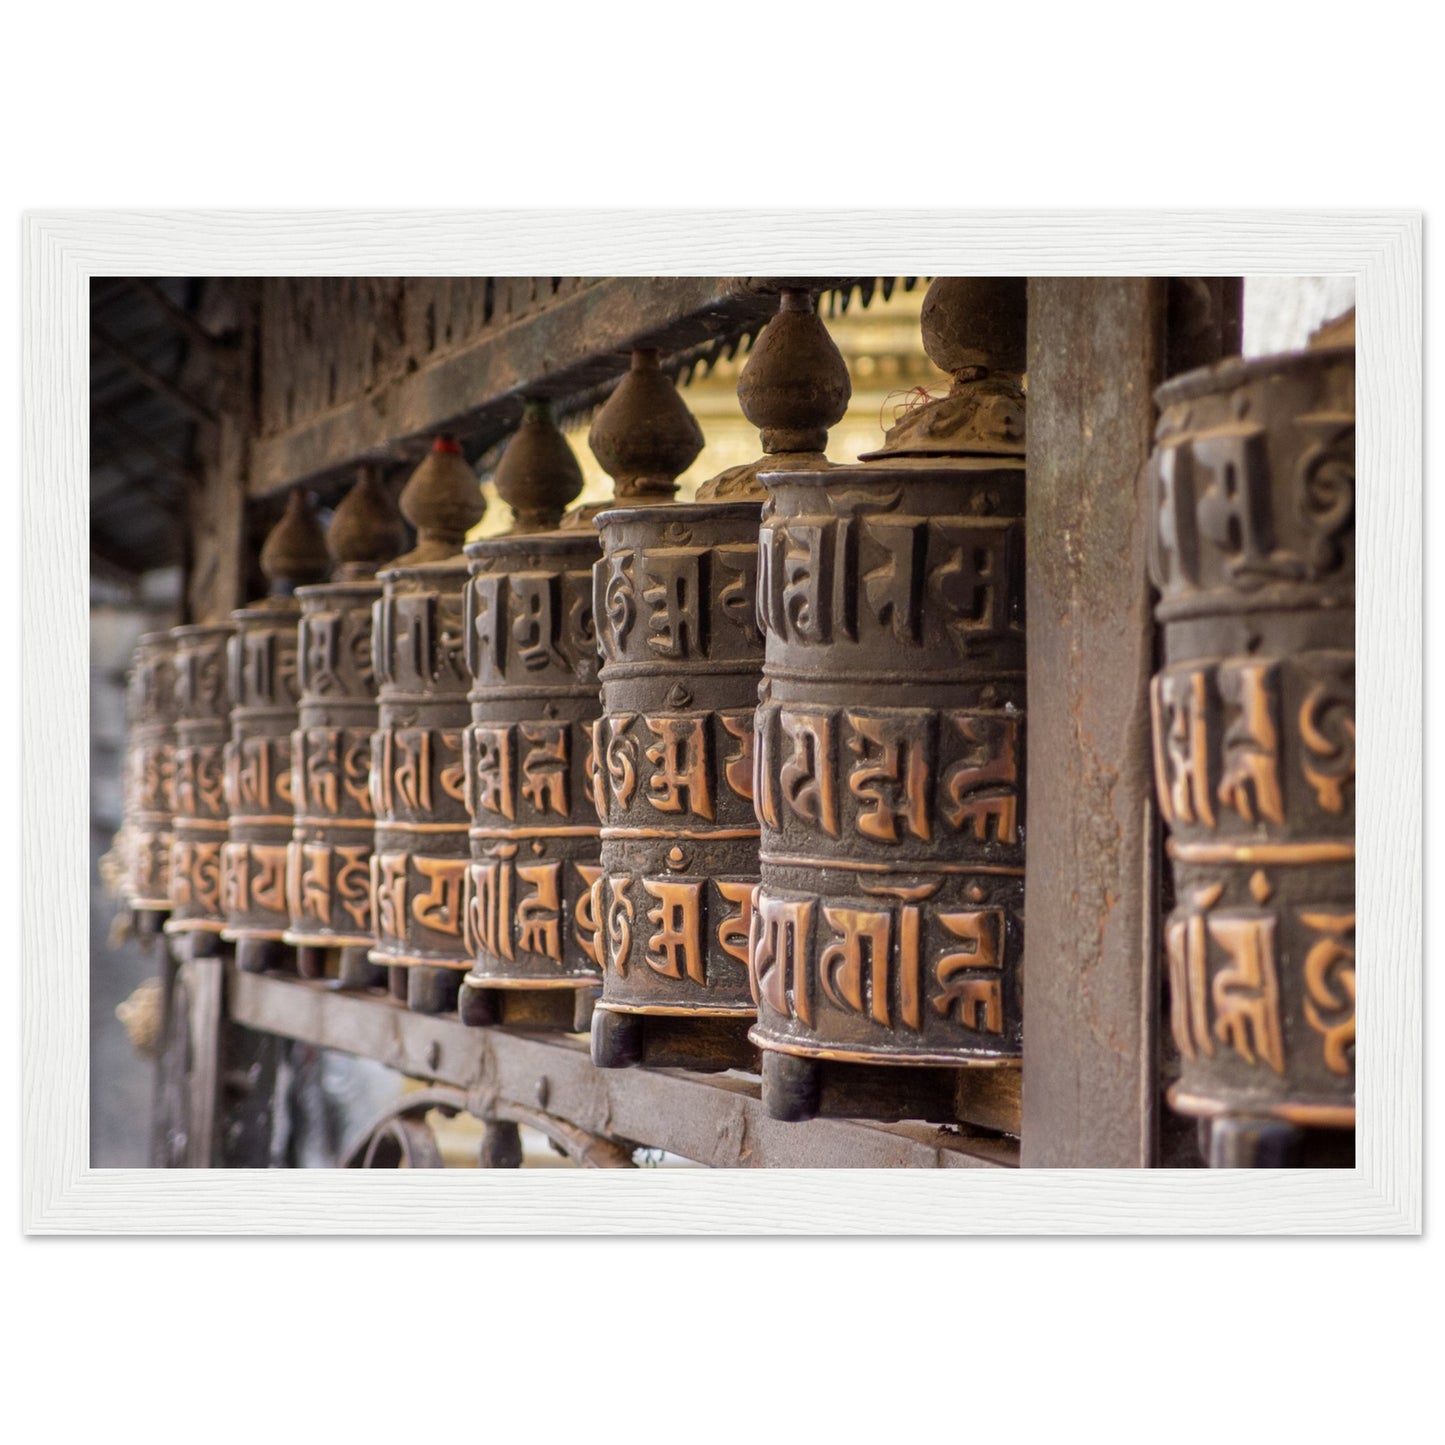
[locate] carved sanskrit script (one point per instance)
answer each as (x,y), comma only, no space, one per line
(886,961)
(891,777)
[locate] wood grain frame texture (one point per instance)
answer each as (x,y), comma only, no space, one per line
(61,1194)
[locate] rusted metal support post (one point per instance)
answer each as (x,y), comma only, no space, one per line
(1090,1074)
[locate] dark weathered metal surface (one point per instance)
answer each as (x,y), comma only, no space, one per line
(534,836)
(674,755)
(1090,1078)
(889,736)
(1252,501)
(330,861)
(715,1120)
(148,779)
(265,690)
(418,869)
(199,822)
(264,693)
(532,652)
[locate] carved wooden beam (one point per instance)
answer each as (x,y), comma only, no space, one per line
(567,350)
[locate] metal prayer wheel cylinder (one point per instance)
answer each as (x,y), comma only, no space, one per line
(532,650)
(199,822)
(890,763)
(1253,712)
(261,654)
(673,757)
(149,782)
(420,859)
(329,865)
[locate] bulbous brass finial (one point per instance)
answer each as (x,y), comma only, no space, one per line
(644,436)
(538,473)
(794,387)
(366,529)
(976,329)
(443,501)
(295,550)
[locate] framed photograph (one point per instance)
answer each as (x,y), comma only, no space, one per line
(866,741)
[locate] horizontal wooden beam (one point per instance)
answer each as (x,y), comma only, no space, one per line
(563,351)
(717,1120)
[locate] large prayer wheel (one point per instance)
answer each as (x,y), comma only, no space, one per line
(534,831)
(331,844)
(329,864)
(673,772)
(265,690)
(1253,553)
(682,658)
(418,791)
(199,821)
(888,928)
(149,777)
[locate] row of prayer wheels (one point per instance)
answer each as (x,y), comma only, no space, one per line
(740,783)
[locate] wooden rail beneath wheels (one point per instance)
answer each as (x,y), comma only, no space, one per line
(716,1120)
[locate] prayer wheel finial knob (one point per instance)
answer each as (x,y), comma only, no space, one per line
(443,501)
(794,387)
(795,384)
(644,436)
(365,530)
(538,473)
(976,324)
(976,329)
(295,550)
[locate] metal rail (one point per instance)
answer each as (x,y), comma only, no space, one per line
(716,1120)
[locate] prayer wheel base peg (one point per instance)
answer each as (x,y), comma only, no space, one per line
(565,1010)
(396,984)
(1240,1142)
(311,962)
(665,1041)
(1245,1141)
(432,990)
(146,923)
(355,970)
(262,955)
(796,1089)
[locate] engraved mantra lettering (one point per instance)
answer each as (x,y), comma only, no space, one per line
(678,912)
(534,620)
(1213,491)
(672,762)
(1244,751)
(877,961)
(322,878)
(520,908)
(529,760)
(331,771)
(253,879)
(195,886)
(963,569)
(1235,1003)
(889,764)
(414,769)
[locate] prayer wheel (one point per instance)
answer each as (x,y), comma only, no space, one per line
(532,653)
(148,779)
(203,721)
(418,793)
(1253,711)
(329,864)
(888,928)
(264,692)
(682,658)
